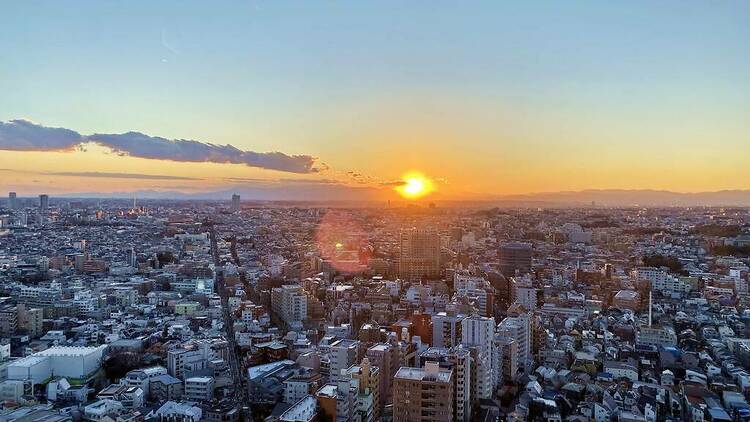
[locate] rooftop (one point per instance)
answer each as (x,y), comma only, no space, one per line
(422,374)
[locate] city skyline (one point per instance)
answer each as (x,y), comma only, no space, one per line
(338,97)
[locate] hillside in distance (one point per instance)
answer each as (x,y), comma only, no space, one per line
(635,197)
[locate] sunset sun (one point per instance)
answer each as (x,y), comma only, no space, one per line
(415,185)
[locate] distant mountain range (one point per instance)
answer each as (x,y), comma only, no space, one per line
(339,192)
(636,197)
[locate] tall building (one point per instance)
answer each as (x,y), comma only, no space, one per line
(8,320)
(518,328)
(367,380)
(479,332)
(423,394)
(514,257)
(12,200)
(132,258)
(460,361)
(43,202)
(524,292)
(235,203)
(386,357)
(344,353)
(446,329)
(420,254)
(508,348)
(503,290)
(289,304)
(662,281)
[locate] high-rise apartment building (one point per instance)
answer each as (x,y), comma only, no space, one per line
(446,329)
(131,258)
(508,349)
(344,353)
(515,256)
(12,200)
(289,304)
(479,332)
(420,254)
(235,203)
(423,394)
(43,202)
(387,358)
(460,361)
(518,328)
(524,293)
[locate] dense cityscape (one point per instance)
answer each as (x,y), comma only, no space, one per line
(374,211)
(157,310)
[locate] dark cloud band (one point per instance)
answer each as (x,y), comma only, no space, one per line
(23,135)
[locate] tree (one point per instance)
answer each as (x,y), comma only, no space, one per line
(658,261)
(117,365)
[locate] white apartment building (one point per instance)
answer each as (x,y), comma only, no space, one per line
(289,303)
(656,335)
(142,377)
(480,332)
(199,388)
(194,356)
(519,329)
(343,354)
(662,281)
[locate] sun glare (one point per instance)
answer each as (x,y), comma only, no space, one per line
(414,186)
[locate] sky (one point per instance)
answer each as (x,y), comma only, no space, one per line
(483,98)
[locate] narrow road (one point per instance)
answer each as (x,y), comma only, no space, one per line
(221,290)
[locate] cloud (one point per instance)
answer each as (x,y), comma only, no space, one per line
(22,135)
(393,183)
(138,176)
(285,181)
(136,144)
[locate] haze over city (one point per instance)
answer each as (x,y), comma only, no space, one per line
(337,100)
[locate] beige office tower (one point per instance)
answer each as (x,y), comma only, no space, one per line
(420,254)
(423,394)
